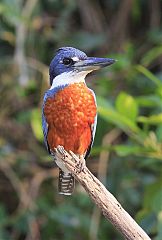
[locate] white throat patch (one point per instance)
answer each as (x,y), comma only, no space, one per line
(69,78)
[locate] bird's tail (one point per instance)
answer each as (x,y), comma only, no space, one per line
(66,183)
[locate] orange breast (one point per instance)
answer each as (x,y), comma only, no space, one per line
(70,114)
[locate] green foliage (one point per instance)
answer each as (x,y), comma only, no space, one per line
(110,114)
(36,124)
(127,106)
(129,98)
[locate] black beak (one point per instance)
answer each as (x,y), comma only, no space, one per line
(93,63)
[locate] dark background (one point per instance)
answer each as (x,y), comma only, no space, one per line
(127,154)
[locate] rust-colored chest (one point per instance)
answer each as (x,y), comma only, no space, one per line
(70,114)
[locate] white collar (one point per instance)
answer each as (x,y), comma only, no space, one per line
(67,78)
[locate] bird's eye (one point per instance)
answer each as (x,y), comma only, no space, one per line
(67,61)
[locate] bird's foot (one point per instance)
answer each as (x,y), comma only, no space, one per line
(80,162)
(81,165)
(60,153)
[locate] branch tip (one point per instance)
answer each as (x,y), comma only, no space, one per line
(108,204)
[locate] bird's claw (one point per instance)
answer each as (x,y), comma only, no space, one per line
(80,162)
(80,165)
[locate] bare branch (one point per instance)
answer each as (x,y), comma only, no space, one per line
(111,208)
(108,139)
(21,35)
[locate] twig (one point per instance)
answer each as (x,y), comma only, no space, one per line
(120,24)
(25,199)
(92,16)
(21,35)
(110,207)
(108,139)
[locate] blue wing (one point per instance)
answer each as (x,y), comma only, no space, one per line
(45,130)
(93,130)
(44,123)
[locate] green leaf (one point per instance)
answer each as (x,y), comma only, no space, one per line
(149,75)
(125,150)
(159,227)
(104,102)
(11,12)
(2,8)
(159,133)
(157,201)
(149,101)
(36,124)
(117,119)
(107,112)
(151,191)
(154,119)
(127,106)
(151,55)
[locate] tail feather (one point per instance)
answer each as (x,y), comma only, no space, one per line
(66,183)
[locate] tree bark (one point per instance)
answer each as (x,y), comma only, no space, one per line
(110,207)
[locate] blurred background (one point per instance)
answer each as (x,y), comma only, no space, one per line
(127,153)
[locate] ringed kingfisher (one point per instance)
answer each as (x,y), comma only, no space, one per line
(69,115)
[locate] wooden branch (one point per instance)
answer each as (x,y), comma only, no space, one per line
(111,208)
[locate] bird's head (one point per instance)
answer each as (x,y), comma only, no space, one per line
(72,65)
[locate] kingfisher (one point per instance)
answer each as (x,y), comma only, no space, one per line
(69,115)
